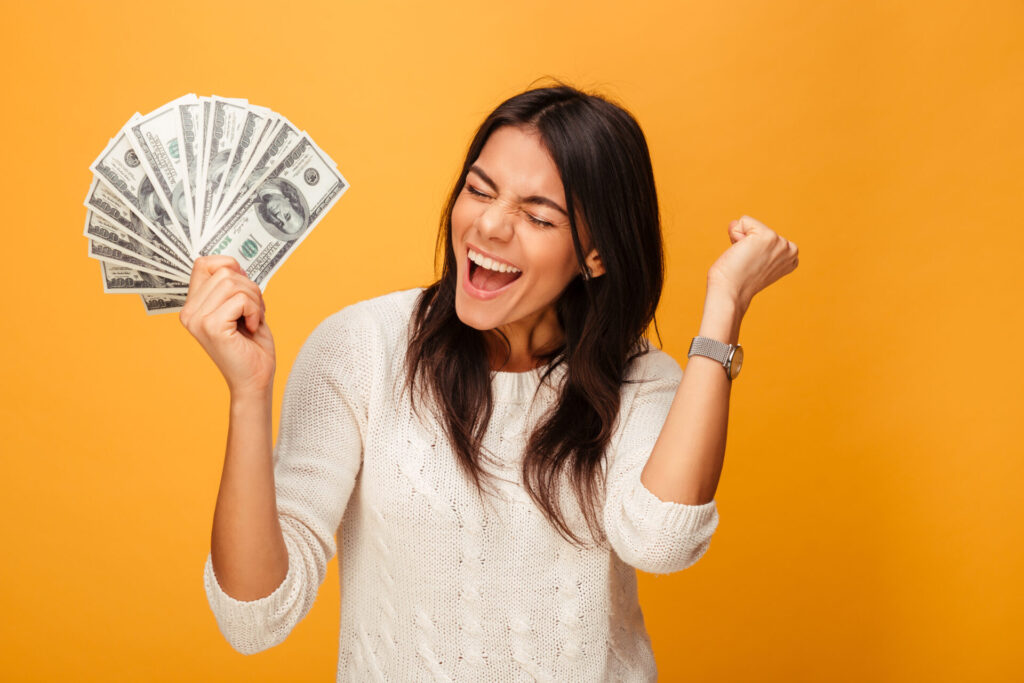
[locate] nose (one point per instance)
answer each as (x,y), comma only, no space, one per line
(494,222)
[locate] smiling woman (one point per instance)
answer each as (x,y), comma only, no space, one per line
(471,449)
(554,179)
(511,211)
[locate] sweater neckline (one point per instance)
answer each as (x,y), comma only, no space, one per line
(519,387)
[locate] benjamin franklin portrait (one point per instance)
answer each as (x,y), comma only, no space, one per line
(218,164)
(151,206)
(178,203)
(281,209)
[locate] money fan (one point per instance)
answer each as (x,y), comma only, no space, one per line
(200,176)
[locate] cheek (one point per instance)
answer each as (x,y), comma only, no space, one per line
(462,215)
(556,259)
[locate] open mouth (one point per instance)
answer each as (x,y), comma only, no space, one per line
(488,280)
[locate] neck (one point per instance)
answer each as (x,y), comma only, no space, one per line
(527,338)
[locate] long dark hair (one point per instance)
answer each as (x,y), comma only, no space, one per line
(605,167)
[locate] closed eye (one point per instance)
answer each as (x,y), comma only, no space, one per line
(476,193)
(533,219)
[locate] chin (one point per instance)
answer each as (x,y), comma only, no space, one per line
(466,315)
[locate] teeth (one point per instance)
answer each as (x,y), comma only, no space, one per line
(490,264)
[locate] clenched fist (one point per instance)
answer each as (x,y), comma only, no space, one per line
(224,310)
(758,257)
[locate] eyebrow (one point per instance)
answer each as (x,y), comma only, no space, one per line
(532,199)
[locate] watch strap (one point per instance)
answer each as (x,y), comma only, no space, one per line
(712,348)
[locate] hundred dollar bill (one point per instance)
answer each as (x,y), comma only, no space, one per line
(156,138)
(280,212)
(188,124)
(223,130)
(197,195)
(105,231)
(162,303)
(241,172)
(256,121)
(120,167)
(116,257)
(105,201)
(275,148)
(125,280)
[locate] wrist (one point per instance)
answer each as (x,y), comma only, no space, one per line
(717,290)
(723,314)
(249,397)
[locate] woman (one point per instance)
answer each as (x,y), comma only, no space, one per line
(498,451)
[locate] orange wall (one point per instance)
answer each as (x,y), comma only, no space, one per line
(871,524)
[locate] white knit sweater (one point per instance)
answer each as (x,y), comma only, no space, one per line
(436,586)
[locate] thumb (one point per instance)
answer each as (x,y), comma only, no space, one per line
(746,226)
(737,231)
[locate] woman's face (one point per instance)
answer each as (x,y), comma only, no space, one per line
(512,209)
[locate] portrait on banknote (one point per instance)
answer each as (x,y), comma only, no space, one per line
(152,207)
(281,209)
(178,203)
(199,176)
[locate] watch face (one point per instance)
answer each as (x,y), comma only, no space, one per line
(737,362)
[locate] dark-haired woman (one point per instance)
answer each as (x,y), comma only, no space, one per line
(492,456)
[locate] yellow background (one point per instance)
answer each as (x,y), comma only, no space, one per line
(871,516)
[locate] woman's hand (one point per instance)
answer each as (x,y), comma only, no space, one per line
(219,293)
(758,257)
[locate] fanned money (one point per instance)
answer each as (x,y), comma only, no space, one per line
(201,176)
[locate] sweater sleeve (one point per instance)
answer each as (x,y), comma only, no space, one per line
(316,459)
(653,535)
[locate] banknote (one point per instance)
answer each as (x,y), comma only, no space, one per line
(256,121)
(203,175)
(120,167)
(156,139)
(104,201)
(223,130)
(280,212)
(162,303)
(120,279)
(113,256)
(103,231)
(190,123)
(284,137)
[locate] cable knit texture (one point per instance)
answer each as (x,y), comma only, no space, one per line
(437,585)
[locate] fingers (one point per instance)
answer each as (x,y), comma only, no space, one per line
(753,223)
(205,297)
(222,287)
(222,321)
(204,267)
(225,274)
(234,307)
(745,224)
(735,232)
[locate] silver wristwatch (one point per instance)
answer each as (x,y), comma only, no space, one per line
(729,355)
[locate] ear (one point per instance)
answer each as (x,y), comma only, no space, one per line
(594,263)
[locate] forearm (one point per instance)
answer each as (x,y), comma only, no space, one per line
(247,547)
(686,462)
